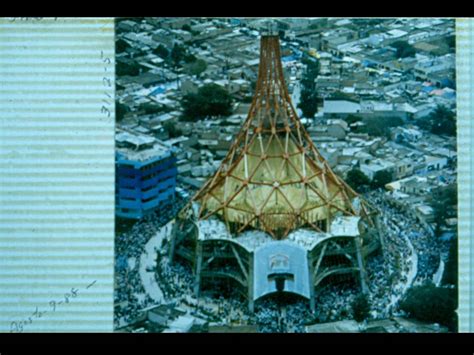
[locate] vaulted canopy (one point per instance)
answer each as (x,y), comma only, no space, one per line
(273,177)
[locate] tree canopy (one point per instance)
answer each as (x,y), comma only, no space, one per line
(120,111)
(186,27)
(441,121)
(196,67)
(311,72)
(122,69)
(443,204)
(308,102)
(404,49)
(381,178)
(360,308)
(153,108)
(309,97)
(350,119)
(380,126)
(357,180)
(172,130)
(161,51)
(431,304)
(211,100)
(450,275)
(178,53)
(121,45)
(339,95)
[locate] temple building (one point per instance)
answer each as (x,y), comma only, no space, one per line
(275,218)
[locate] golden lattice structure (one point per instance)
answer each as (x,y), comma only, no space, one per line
(273,177)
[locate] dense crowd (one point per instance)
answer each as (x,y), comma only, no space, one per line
(175,280)
(411,255)
(273,317)
(427,246)
(232,310)
(333,302)
(130,296)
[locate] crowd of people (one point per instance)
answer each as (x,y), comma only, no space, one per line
(130,296)
(333,302)
(428,247)
(267,317)
(411,255)
(232,309)
(175,280)
(273,316)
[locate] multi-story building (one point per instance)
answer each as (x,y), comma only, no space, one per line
(145,175)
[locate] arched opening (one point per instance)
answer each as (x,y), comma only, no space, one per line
(228,288)
(280,298)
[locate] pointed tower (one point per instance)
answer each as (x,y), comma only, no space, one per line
(273,177)
(274,217)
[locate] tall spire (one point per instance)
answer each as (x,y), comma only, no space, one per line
(271,99)
(273,177)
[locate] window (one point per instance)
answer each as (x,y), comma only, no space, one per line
(129,199)
(148,199)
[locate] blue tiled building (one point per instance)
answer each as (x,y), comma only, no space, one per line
(145,175)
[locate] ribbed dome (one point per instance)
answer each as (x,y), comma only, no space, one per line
(273,177)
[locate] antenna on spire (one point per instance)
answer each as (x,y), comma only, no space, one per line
(270,29)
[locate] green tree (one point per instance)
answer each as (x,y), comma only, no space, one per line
(450,275)
(440,121)
(443,121)
(308,103)
(161,51)
(121,45)
(360,308)
(120,111)
(172,130)
(309,97)
(339,95)
(444,203)
(380,126)
(404,49)
(451,42)
(196,67)
(177,54)
(319,23)
(357,180)
(311,73)
(424,123)
(122,69)
(189,58)
(431,304)
(186,27)
(153,108)
(350,119)
(211,100)
(381,178)
(440,213)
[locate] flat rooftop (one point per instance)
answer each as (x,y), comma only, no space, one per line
(214,229)
(140,147)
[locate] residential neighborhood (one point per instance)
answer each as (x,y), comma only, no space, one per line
(376,96)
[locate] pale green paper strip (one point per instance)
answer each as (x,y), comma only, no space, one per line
(57,174)
(465,81)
